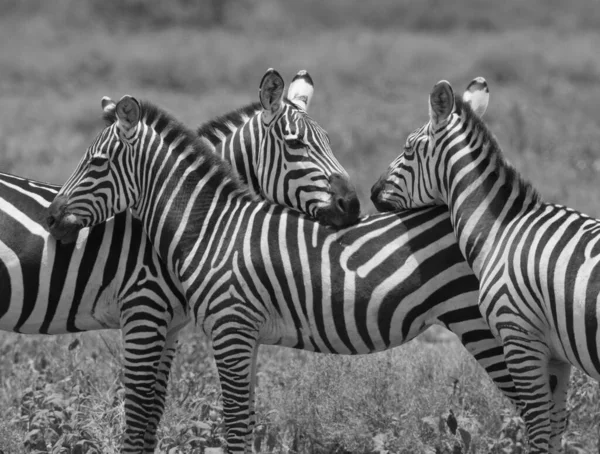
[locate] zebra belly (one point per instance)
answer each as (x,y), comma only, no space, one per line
(358,317)
(42,290)
(566,322)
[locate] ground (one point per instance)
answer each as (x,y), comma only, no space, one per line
(373,64)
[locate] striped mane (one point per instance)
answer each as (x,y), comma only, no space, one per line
(213,130)
(165,124)
(480,129)
(222,125)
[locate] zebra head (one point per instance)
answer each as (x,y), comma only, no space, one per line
(416,177)
(95,191)
(295,166)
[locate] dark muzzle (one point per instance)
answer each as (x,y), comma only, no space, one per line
(344,209)
(63,226)
(380,203)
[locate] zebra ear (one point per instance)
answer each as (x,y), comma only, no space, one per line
(477,95)
(301,90)
(270,92)
(108,110)
(108,105)
(441,102)
(128,112)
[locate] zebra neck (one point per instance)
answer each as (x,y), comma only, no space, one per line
(181,190)
(484,195)
(237,137)
(241,148)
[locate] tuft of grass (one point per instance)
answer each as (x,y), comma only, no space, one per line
(56,398)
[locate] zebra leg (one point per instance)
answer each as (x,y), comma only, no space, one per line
(235,348)
(144,342)
(560,373)
(527,361)
(160,390)
(476,336)
(252,399)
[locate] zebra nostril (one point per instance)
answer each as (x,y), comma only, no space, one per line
(375,190)
(341,204)
(51,220)
(374,194)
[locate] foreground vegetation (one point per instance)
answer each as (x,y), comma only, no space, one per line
(373,68)
(63,395)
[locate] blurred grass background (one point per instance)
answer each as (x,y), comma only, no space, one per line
(373,64)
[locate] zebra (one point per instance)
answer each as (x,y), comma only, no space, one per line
(283,154)
(110,278)
(113,277)
(257,273)
(537,262)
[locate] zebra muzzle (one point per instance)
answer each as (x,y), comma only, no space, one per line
(63,226)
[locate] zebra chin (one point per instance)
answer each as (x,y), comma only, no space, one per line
(341,212)
(65,232)
(343,209)
(378,197)
(382,205)
(63,227)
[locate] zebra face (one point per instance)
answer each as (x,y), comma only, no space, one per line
(296,166)
(416,177)
(402,185)
(96,191)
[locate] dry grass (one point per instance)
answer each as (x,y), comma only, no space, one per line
(373,68)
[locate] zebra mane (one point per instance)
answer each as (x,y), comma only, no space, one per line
(213,130)
(216,128)
(480,128)
(162,121)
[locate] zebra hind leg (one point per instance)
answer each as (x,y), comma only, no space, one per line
(144,342)
(474,333)
(160,391)
(560,373)
(527,361)
(235,349)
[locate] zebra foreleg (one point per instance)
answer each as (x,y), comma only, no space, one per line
(235,348)
(160,390)
(144,343)
(527,361)
(560,374)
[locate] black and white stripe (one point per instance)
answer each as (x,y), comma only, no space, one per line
(538,263)
(283,154)
(256,273)
(111,277)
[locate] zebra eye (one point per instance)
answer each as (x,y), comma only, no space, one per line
(295,143)
(98,161)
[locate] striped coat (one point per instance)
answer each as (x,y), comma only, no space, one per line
(255,273)
(537,262)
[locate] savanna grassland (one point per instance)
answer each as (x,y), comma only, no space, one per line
(373,64)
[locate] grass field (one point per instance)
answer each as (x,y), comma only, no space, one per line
(373,67)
